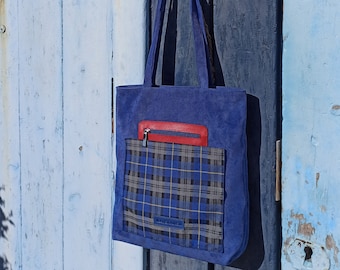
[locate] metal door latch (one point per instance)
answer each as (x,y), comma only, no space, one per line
(2,29)
(305,255)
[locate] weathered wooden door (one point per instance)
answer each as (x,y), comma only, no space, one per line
(247,40)
(311,130)
(57,59)
(55,134)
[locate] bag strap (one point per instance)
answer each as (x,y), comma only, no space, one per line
(200,44)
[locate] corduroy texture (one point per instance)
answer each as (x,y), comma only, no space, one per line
(223,111)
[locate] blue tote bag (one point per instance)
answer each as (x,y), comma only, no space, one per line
(181,180)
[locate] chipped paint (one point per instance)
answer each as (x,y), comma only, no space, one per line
(305,255)
(8,103)
(5,219)
(331,245)
(3,41)
(310,154)
(299,225)
(4,73)
(335,110)
(34,71)
(9,168)
(6,223)
(306,229)
(317,178)
(297,216)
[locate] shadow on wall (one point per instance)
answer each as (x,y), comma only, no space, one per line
(5,222)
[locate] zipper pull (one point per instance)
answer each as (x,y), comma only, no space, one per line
(145,138)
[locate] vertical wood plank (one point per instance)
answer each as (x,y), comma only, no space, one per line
(164,261)
(311,128)
(248,38)
(129,42)
(87,53)
(10,219)
(41,133)
(247,42)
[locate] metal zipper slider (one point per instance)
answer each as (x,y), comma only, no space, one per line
(145,138)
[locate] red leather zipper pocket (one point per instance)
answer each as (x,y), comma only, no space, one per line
(172,132)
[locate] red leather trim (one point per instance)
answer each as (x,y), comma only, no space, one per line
(201,131)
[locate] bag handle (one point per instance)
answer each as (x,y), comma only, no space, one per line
(200,42)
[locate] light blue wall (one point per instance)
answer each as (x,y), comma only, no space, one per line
(55,134)
(311,133)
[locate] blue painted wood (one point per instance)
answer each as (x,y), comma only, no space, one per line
(247,36)
(10,227)
(41,136)
(55,133)
(248,39)
(311,128)
(87,160)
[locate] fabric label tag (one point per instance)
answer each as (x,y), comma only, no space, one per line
(169,222)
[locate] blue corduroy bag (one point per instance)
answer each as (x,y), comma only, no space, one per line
(181,179)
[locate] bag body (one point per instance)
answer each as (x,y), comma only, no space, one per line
(184,196)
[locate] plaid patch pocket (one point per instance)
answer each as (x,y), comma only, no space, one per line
(174,193)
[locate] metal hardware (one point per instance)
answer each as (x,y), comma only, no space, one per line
(305,255)
(2,29)
(145,138)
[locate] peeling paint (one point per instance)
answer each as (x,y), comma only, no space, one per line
(5,223)
(3,41)
(74,200)
(317,178)
(303,255)
(335,110)
(306,229)
(5,98)
(297,216)
(330,244)
(5,218)
(314,141)
(288,241)
(310,132)
(286,245)
(5,264)
(303,228)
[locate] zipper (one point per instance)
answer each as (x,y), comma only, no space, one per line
(145,137)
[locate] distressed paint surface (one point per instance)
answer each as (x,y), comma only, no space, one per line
(10,221)
(55,131)
(311,128)
(247,36)
(248,42)
(87,72)
(41,133)
(129,24)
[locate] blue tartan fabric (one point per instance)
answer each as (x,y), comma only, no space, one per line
(175,193)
